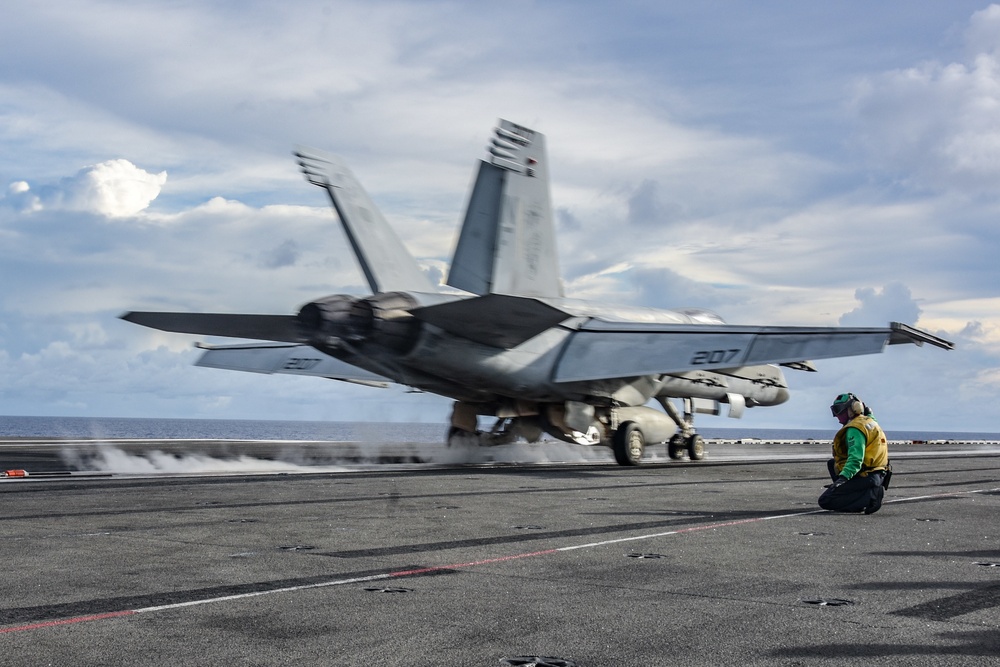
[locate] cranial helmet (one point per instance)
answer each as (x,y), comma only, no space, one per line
(847,401)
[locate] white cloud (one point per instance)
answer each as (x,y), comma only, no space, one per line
(20,197)
(938,124)
(893,303)
(115,189)
(983,33)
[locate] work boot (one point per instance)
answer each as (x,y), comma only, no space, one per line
(875,504)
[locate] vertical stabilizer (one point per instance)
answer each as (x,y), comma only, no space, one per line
(507,244)
(386,263)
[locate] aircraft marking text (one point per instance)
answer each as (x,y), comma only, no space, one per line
(703,357)
(300,364)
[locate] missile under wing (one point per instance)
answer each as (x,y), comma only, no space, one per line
(510,345)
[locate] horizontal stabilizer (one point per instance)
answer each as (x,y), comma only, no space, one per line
(257,327)
(495,319)
(601,350)
(288,359)
(386,263)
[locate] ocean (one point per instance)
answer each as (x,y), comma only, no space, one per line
(390,432)
(216,429)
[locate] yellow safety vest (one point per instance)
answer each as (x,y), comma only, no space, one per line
(876,446)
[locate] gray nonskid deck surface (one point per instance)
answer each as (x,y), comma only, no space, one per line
(708,563)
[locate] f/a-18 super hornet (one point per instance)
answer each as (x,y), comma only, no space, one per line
(502,340)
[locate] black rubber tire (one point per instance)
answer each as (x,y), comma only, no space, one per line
(629,444)
(696,448)
(676,447)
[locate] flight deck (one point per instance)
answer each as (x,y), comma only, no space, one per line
(721,561)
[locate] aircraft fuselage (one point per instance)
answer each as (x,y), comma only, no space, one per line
(393,343)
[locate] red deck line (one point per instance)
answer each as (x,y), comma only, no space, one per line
(68,621)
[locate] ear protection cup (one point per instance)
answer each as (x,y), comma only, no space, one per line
(853,403)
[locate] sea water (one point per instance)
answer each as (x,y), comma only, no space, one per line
(216,429)
(390,432)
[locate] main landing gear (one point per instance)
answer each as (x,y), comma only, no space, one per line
(628,443)
(686,439)
(693,445)
(636,426)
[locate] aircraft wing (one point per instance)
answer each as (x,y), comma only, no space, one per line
(290,359)
(281,328)
(601,350)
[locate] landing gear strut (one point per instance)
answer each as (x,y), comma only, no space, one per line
(686,440)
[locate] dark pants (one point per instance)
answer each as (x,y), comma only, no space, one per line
(858,494)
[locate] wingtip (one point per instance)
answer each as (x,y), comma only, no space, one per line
(904,333)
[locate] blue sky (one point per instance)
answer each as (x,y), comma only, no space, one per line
(777,162)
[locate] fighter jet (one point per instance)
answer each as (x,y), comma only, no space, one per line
(502,341)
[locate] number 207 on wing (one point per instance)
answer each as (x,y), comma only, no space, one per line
(703,357)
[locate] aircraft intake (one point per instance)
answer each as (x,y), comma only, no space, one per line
(383,320)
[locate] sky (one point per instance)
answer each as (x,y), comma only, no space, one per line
(778,162)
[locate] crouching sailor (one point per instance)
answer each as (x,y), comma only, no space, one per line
(860,467)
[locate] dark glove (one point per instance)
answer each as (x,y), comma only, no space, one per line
(840,481)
